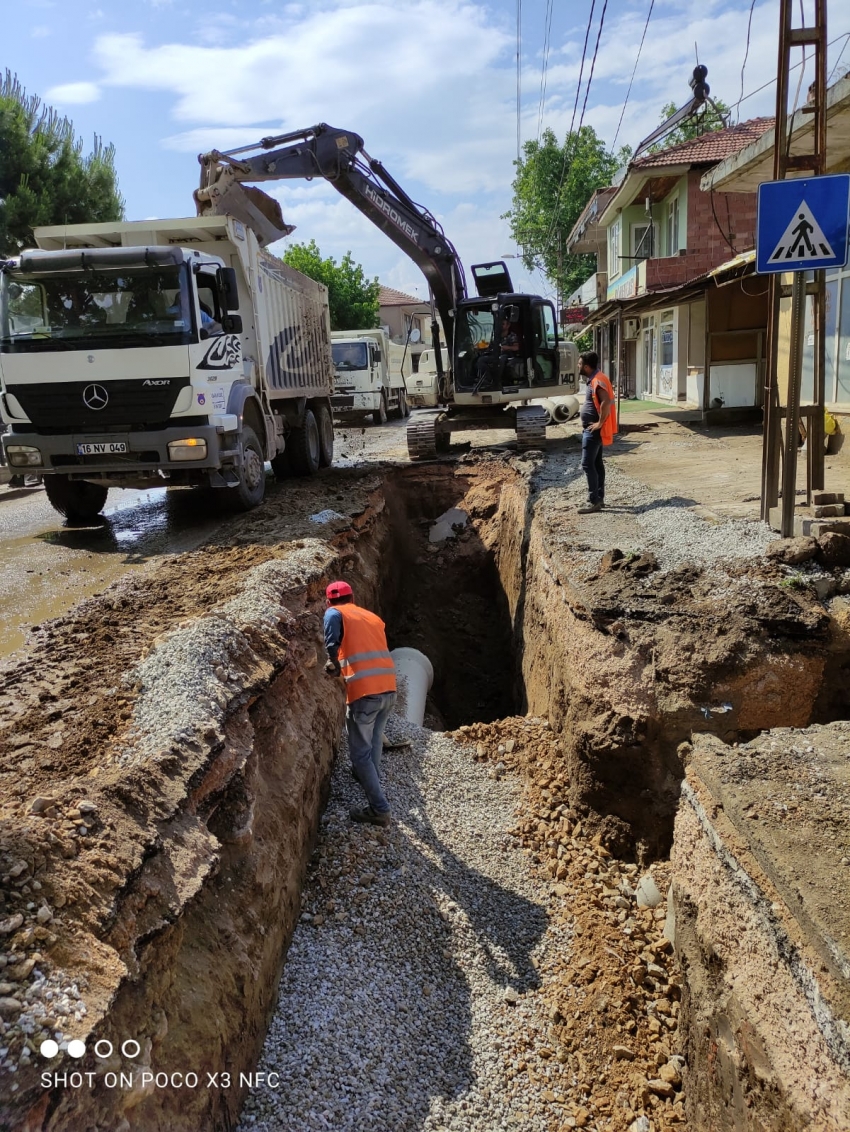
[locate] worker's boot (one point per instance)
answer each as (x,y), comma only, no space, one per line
(369,816)
(590,508)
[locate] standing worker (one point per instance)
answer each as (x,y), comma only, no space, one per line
(598,423)
(357,649)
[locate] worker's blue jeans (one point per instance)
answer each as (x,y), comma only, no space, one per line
(365,722)
(592,465)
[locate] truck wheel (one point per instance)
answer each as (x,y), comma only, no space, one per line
(326,436)
(75,499)
(305,447)
(398,411)
(252,477)
(281,466)
(380,414)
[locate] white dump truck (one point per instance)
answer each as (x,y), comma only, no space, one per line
(159,353)
(423,386)
(369,375)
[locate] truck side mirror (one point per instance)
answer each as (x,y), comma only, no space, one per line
(231,323)
(227,282)
(377,354)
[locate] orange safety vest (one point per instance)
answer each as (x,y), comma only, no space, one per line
(364,657)
(609,425)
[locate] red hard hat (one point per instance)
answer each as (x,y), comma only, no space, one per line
(338,589)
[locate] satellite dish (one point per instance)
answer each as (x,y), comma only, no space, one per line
(415,335)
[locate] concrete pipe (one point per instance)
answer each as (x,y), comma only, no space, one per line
(418,673)
(550,409)
(565,407)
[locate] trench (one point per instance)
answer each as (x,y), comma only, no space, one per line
(508,635)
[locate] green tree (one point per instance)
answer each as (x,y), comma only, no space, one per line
(353,299)
(705,122)
(552,185)
(44,176)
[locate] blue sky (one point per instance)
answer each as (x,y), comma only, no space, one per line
(429,84)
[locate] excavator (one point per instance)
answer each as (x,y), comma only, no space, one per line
(502,347)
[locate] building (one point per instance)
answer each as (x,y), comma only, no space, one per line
(407,320)
(675,306)
(743,171)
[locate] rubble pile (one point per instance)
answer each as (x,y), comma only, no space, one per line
(614,997)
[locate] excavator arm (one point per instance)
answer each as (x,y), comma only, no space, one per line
(340,158)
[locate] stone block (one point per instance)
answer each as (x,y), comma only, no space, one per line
(829,511)
(824,498)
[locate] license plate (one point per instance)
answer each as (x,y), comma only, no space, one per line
(107,448)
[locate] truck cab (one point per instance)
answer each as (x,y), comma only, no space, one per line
(368,376)
(160,353)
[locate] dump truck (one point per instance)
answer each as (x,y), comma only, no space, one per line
(162,353)
(369,376)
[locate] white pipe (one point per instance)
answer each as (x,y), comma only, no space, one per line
(418,673)
(565,407)
(550,409)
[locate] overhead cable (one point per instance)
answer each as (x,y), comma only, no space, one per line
(634,72)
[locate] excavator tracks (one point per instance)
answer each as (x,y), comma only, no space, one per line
(422,436)
(530,428)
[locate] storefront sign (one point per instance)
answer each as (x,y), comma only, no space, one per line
(574,315)
(625,287)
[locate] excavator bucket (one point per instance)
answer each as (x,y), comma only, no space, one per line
(256,209)
(492,279)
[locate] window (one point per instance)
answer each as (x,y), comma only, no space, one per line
(73,310)
(615,266)
(673,226)
(667,344)
(644,241)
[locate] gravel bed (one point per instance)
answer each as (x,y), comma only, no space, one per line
(410,982)
(667,525)
(187,680)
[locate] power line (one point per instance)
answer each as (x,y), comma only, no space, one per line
(634,72)
(553,225)
(838,60)
(844,35)
(746,50)
(518,80)
(547,32)
(581,69)
(593,62)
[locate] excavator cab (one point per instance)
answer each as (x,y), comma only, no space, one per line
(505,347)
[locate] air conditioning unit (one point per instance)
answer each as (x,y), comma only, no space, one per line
(631,328)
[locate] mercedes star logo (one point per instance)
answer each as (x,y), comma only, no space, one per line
(95,397)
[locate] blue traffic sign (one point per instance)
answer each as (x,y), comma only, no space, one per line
(802,224)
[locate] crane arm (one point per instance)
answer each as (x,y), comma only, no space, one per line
(340,158)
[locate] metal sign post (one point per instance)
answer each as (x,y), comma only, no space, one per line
(787,255)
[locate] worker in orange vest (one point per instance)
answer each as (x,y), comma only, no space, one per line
(356,644)
(599,424)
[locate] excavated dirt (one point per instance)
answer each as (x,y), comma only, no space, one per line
(155,828)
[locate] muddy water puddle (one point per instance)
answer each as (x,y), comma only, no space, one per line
(49,566)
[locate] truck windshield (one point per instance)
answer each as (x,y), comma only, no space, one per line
(85,310)
(350,355)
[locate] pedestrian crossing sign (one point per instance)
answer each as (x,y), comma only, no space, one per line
(802,224)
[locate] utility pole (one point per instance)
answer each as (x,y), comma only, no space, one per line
(787,295)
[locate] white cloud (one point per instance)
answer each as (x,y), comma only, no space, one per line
(74,93)
(430,86)
(41,31)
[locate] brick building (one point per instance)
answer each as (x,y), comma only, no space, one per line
(674,301)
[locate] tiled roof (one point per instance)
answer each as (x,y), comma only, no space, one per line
(708,147)
(389,297)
